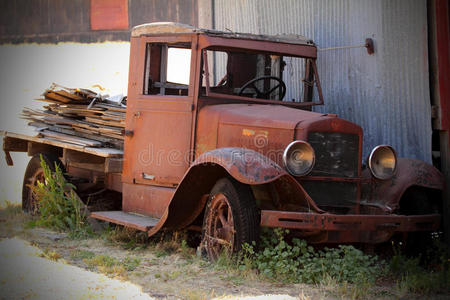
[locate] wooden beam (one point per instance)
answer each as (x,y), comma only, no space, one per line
(113,165)
(103,152)
(14,145)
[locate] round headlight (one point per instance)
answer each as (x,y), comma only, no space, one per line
(299,158)
(383,162)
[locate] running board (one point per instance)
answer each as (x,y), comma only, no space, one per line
(131,220)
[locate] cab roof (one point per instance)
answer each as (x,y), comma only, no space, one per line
(159,28)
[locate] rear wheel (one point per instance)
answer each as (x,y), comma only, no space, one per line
(231,219)
(33,174)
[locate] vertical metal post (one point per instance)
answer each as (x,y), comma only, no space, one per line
(439,34)
(163,76)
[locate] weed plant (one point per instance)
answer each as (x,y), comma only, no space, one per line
(59,206)
(297,262)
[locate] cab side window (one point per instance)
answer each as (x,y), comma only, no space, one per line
(167,69)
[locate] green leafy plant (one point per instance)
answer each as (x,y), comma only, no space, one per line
(59,206)
(298,262)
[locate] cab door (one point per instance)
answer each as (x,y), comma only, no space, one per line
(159,110)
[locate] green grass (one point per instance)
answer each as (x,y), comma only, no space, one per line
(131,263)
(81,254)
(11,210)
(109,265)
(423,275)
(50,254)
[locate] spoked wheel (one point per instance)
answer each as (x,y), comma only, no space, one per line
(34,174)
(231,219)
(33,203)
(220,227)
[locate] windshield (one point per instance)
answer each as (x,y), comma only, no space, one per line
(258,75)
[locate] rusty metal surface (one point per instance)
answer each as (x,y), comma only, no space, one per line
(146,199)
(33,200)
(168,28)
(207,41)
(158,152)
(323,228)
(265,129)
(244,135)
(142,223)
(219,227)
(245,165)
(311,221)
(386,194)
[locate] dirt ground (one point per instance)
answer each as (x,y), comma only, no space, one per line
(27,274)
(167,272)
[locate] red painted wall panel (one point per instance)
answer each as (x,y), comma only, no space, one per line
(109,14)
(443,49)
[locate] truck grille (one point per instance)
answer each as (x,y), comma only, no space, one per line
(332,194)
(336,154)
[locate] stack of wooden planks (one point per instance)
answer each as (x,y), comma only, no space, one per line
(79,116)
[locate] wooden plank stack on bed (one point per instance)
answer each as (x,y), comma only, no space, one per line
(80,117)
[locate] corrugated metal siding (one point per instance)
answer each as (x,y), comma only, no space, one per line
(387,93)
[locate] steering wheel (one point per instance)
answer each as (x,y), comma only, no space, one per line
(263,94)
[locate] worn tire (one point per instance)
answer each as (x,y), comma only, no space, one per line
(33,173)
(241,227)
(417,201)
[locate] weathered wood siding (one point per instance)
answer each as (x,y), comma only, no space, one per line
(52,21)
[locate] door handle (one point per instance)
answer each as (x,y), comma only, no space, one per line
(148,176)
(128,132)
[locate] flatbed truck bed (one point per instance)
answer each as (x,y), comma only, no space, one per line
(14,138)
(94,162)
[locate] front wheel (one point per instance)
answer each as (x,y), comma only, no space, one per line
(231,219)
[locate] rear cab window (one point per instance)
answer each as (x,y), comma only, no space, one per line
(167,69)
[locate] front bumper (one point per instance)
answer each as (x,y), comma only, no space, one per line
(350,228)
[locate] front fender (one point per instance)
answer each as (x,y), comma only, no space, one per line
(244,165)
(410,172)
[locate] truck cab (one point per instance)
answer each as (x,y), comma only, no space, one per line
(221,137)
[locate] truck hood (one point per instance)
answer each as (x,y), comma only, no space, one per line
(259,115)
(263,128)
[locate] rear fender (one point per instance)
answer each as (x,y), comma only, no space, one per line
(244,165)
(386,194)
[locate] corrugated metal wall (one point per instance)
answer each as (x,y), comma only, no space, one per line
(387,93)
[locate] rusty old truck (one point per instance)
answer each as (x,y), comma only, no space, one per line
(221,138)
